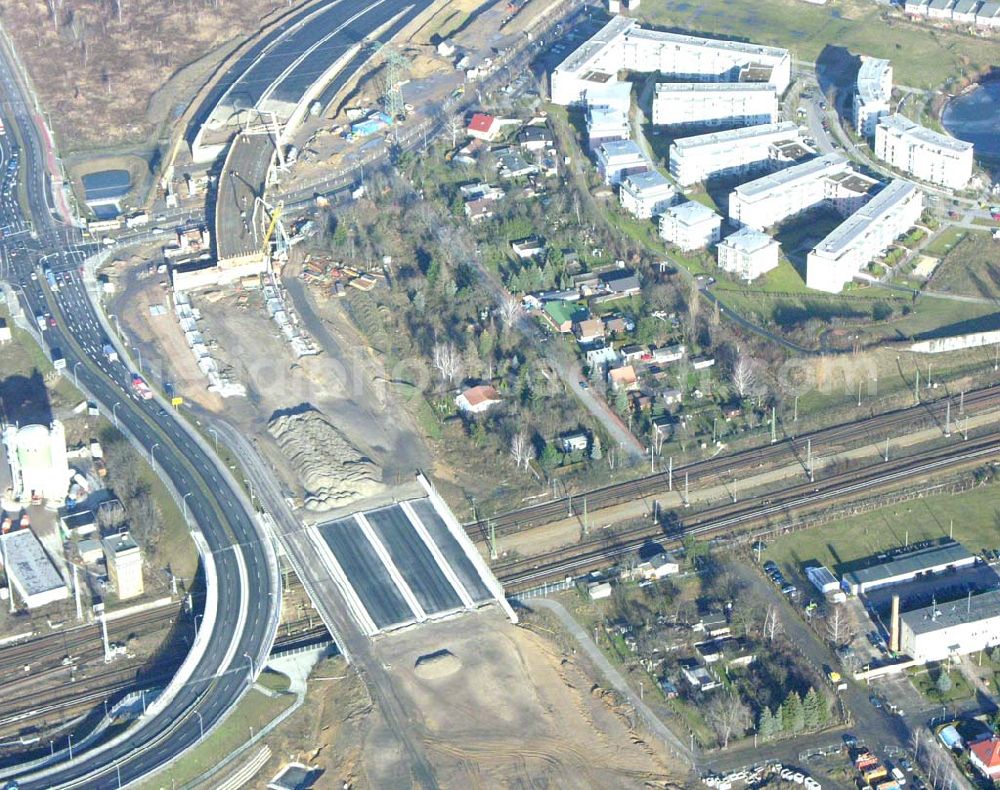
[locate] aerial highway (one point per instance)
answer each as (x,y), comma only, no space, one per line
(246,582)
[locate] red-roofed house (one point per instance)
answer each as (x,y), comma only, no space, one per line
(476,400)
(985,756)
(623,378)
(483,126)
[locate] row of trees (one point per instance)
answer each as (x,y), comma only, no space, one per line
(139,511)
(795,715)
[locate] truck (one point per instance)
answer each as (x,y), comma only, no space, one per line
(835,679)
(58,360)
(110,353)
(51,277)
(40,319)
(140,387)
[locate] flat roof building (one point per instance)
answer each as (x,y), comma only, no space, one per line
(748,254)
(30,571)
(705,104)
(734,152)
(865,234)
(644,194)
(873,90)
(619,158)
(770,199)
(690,226)
(906,566)
(923,153)
(942,630)
(622,45)
(605,124)
(124,559)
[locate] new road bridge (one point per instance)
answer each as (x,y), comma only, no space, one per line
(243,592)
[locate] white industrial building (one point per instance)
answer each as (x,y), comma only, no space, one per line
(748,254)
(923,153)
(735,152)
(619,158)
(691,226)
(622,45)
(865,234)
(38,464)
(30,571)
(680,104)
(872,93)
(124,560)
(770,199)
(908,565)
(644,194)
(940,631)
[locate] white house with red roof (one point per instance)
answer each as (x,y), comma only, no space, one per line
(476,400)
(985,757)
(484,127)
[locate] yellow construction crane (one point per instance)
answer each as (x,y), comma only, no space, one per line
(275,217)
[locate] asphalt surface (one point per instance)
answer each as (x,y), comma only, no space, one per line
(248,587)
(414,560)
(366,573)
(450,549)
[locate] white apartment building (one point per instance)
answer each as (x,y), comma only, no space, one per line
(748,254)
(644,194)
(868,232)
(923,153)
(605,124)
(622,45)
(735,152)
(690,226)
(871,96)
(619,158)
(768,200)
(714,104)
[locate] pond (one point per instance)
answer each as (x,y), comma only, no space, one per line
(975,118)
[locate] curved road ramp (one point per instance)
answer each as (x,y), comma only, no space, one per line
(405,564)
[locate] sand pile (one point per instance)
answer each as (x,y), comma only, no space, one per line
(436,665)
(332,470)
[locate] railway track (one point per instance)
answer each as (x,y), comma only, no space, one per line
(788,449)
(109,685)
(523,574)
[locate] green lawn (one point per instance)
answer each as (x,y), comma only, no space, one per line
(975,516)
(922,55)
(971,268)
(925,681)
(255,711)
(945,241)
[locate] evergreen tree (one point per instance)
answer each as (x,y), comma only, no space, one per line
(486,343)
(550,456)
(944,682)
(810,709)
(621,401)
(766,724)
(824,709)
(595,449)
(792,715)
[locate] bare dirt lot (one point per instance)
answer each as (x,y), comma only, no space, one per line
(505,708)
(113,72)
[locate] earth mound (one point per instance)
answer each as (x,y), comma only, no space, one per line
(333,472)
(439,664)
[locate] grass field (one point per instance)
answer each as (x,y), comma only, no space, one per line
(972,267)
(922,56)
(945,241)
(975,517)
(255,711)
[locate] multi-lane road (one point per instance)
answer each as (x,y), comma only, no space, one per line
(245,583)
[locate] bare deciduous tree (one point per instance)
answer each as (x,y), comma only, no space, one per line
(772,623)
(728,715)
(111,517)
(744,376)
(521,450)
(448,361)
(510,309)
